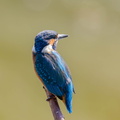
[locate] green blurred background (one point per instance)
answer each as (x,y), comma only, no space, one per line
(92,52)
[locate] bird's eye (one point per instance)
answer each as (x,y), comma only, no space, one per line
(56,36)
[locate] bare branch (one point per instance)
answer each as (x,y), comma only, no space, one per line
(57,114)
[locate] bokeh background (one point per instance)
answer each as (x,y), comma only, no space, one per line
(92,52)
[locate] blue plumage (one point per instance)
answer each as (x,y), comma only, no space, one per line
(51,68)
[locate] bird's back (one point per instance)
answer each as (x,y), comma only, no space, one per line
(55,75)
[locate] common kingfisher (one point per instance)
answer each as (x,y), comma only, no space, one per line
(51,68)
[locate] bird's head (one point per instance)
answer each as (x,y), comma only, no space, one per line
(47,40)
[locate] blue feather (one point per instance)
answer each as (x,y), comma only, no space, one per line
(55,75)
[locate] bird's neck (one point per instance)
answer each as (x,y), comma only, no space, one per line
(38,46)
(47,49)
(42,48)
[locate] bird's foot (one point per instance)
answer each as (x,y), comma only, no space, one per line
(44,87)
(50,97)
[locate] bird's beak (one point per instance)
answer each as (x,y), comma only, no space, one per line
(61,36)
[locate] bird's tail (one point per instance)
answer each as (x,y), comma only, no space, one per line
(67,99)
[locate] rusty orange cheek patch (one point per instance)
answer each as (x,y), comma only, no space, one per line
(51,42)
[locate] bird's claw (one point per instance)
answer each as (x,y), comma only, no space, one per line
(50,97)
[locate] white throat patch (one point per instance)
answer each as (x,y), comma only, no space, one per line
(47,49)
(33,49)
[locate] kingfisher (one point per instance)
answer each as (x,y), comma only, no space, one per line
(50,67)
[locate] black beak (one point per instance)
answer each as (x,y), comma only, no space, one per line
(60,36)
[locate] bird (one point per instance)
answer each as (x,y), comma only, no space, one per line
(50,67)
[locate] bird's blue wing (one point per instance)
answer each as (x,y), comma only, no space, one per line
(53,72)
(55,75)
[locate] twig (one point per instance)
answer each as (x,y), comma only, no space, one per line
(57,114)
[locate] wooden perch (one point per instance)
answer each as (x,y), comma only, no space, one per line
(57,114)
